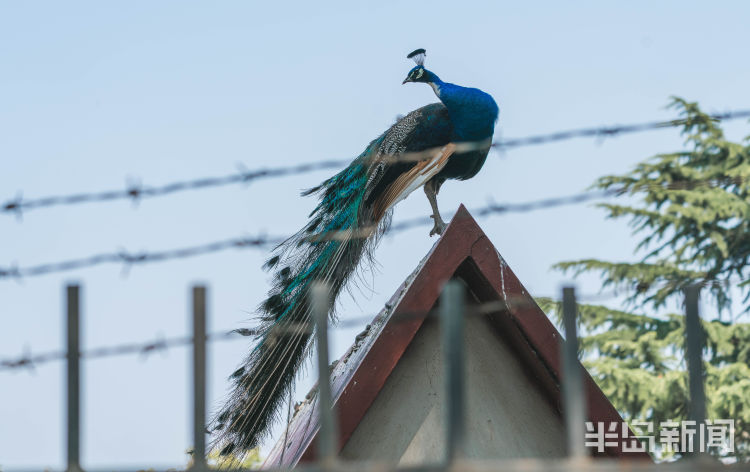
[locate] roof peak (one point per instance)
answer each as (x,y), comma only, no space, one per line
(463,251)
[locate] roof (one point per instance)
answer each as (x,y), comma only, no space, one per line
(465,252)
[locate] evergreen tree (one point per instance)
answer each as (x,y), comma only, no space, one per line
(691,210)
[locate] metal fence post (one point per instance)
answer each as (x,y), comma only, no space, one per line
(199,376)
(73,357)
(328,435)
(572,386)
(452,331)
(694,346)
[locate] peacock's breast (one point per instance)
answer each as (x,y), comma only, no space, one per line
(473,113)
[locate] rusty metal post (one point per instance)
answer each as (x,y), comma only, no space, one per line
(452,329)
(199,376)
(73,358)
(573,394)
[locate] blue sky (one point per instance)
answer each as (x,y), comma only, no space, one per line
(95,93)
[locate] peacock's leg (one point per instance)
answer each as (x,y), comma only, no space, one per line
(431,189)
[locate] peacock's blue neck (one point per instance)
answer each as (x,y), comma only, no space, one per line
(472,111)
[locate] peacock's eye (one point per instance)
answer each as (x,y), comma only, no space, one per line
(419,73)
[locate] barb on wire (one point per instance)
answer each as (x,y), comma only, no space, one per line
(135,191)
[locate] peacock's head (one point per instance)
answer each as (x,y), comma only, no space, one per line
(418,73)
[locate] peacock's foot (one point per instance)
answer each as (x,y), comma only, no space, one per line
(439,226)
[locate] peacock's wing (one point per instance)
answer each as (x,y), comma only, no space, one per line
(411,152)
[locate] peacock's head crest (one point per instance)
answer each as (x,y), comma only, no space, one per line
(418,73)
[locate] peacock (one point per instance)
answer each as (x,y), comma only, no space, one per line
(445,140)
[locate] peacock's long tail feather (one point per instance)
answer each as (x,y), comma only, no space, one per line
(354,210)
(341,230)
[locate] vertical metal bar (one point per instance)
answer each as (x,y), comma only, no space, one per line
(73,377)
(572,387)
(199,376)
(694,347)
(452,330)
(328,435)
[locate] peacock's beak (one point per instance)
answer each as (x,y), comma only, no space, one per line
(405,81)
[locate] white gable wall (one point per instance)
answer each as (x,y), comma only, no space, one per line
(508,416)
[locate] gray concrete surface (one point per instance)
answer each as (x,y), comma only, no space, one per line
(507,416)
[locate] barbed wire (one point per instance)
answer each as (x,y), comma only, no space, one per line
(160,344)
(29,361)
(611,131)
(137,192)
(128,259)
(497,209)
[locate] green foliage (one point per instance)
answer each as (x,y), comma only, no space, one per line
(691,211)
(638,362)
(693,216)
